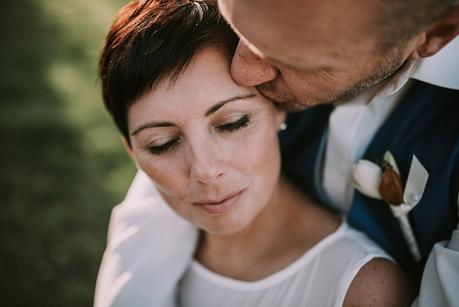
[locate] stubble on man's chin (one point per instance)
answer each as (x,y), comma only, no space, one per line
(282,99)
(376,79)
(286,101)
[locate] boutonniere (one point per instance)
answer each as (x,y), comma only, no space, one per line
(383,182)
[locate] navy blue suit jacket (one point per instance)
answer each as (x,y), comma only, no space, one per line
(425,123)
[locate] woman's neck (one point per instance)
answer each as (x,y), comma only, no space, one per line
(286,228)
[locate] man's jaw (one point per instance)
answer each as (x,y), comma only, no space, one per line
(284,102)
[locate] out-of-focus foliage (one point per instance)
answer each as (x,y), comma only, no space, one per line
(62,164)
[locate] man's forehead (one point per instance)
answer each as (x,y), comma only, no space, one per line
(278,12)
(283,30)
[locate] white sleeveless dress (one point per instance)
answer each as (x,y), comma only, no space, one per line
(321,277)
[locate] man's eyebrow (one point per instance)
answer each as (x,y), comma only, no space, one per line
(220,104)
(152,125)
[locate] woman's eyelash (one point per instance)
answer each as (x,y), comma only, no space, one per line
(236,125)
(157,150)
(229,127)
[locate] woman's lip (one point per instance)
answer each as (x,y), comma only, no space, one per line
(222,206)
(217,202)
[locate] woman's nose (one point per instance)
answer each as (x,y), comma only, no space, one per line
(248,69)
(207,165)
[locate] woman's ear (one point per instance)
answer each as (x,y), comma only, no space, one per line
(130,152)
(438,34)
(127,147)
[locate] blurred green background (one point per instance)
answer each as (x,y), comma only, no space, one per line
(62,164)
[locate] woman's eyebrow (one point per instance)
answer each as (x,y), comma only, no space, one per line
(152,125)
(220,104)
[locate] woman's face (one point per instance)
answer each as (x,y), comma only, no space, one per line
(209,145)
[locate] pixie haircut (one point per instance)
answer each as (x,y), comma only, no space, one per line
(154,40)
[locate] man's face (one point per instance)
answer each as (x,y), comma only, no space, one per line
(303,52)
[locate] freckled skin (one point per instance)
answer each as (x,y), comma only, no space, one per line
(208,163)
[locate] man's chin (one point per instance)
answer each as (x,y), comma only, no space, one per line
(289,105)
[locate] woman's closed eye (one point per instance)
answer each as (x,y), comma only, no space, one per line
(229,127)
(241,122)
(162,148)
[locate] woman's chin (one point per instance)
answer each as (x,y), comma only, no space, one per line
(223,231)
(223,226)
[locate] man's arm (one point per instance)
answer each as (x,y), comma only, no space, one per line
(141,187)
(136,273)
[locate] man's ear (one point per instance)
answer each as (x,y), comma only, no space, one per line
(438,34)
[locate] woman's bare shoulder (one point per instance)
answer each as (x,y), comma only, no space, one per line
(380,283)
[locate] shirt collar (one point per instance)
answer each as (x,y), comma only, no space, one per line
(441,69)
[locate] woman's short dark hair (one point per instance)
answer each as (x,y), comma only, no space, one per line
(153,40)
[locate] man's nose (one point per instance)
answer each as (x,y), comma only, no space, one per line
(207,164)
(248,69)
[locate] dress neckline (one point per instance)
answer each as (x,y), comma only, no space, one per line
(274,278)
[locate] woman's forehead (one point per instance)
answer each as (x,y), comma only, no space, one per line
(203,83)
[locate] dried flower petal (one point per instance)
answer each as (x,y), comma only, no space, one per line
(367,178)
(390,188)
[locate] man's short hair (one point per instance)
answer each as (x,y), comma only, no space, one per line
(401,20)
(152,40)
